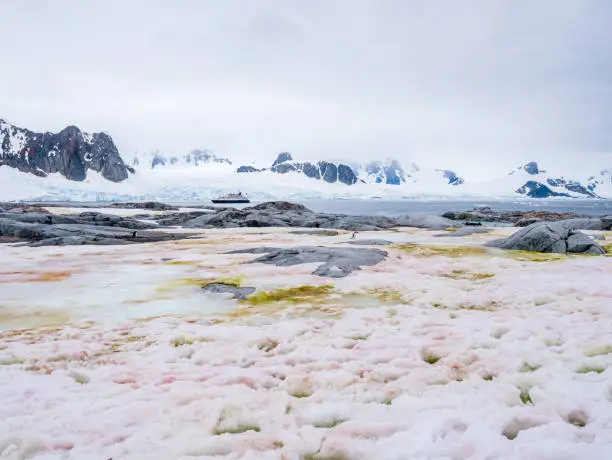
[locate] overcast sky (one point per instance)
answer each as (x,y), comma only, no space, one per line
(476,85)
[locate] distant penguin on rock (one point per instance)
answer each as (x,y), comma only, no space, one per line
(134,235)
(354,235)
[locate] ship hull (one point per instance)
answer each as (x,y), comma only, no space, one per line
(231,201)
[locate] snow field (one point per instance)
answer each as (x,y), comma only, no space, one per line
(448,352)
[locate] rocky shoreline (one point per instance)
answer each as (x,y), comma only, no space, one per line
(35,225)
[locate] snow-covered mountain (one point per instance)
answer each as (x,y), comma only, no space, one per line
(195,157)
(385,172)
(327,171)
(73,165)
(531,180)
(70,153)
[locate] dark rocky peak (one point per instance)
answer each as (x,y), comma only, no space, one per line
(248,169)
(70,152)
(388,172)
(535,189)
(205,156)
(282,157)
(532,168)
(158,160)
(453,179)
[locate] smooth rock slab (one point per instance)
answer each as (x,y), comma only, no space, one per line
(88,234)
(78,241)
(370,242)
(464,231)
(316,232)
(236,291)
(428,221)
(336,262)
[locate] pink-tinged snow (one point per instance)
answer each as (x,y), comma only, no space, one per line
(116,353)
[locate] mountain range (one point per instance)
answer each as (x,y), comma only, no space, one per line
(66,160)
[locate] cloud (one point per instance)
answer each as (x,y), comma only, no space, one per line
(476,86)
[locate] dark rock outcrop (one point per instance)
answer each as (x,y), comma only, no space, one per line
(346,175)
(311,170)
(453,178)
(284,214)
(79,241)
(178,218)
(248,169)
(237,292)
(329,171)
(535,189)
(150,205)
(70,152)
(531,168)
(282,158)
(193,158)
(557,237)
(37,232)
(315,232)
(325,170)
(84,218)
(46,229)
(579,188)
(109,220)
(486,214)
(335,262)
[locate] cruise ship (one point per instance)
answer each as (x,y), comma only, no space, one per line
(231,198)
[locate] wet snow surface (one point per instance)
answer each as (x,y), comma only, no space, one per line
(442,351)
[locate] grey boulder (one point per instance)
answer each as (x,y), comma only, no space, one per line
(237,292)
(550,237)
(335,262)
(427,221)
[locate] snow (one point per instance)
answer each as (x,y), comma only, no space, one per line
(186,183)
(88,137)
(17,138)
(114,352)
(506,185)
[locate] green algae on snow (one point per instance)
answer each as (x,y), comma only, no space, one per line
(387,296)
(298,294)
(200,282)
(419,250)
(467,275)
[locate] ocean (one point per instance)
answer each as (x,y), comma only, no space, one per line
(393,208)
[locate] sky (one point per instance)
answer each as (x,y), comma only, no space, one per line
(477,86)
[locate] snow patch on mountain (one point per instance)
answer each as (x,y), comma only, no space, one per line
(197,157)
